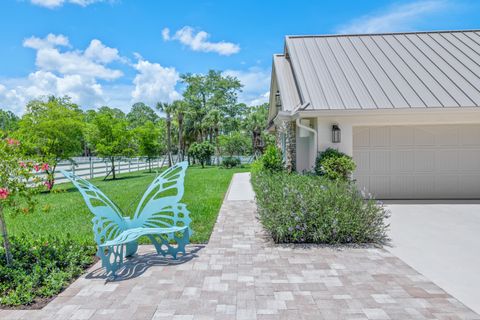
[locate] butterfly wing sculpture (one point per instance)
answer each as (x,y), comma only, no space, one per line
(159,216)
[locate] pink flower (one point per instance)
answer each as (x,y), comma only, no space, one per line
(12,142)
(48,184)
(23,164)
(36,167)
(45,166)
(4,193)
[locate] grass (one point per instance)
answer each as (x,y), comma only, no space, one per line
(63,212)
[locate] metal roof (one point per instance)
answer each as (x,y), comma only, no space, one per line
(285,82)
(381,71)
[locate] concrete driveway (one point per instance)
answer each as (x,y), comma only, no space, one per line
(441,240)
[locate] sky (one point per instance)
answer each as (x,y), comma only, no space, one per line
(118,52)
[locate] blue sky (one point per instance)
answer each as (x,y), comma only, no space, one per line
(117,52)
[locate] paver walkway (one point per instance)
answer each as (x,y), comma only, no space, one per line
(241,275)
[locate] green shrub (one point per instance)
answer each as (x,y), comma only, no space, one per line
(272,160)
(231,162)
(334,164)
(41,268)
(202,152)
(311,209)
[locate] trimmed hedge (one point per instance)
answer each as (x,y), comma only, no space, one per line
(41,268)
(310,209)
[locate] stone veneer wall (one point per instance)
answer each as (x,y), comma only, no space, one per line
(289,128)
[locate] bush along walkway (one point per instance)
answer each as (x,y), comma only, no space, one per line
(242,275)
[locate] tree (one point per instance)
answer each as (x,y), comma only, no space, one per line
(52,129)
(234,144)
(109,136)
(180,109)
(17,183)
(168,109)
(202,152)
(140,114)
(148,139)
(207,92)
(214,121)
(255,123)
(8,121)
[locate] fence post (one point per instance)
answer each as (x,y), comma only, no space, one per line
(91,168)
(129,163)
(138,164)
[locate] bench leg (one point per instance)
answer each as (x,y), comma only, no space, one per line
(131,248)
(164,247)
(112,258)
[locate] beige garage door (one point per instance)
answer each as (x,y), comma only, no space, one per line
(418,162)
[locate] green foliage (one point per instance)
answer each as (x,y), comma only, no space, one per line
(42,267)
(234,144)
(334,164)
(140,114)
(311,209)
(148,138)
(231,162)
(109,136)
(202,152)
(52,129)
(272,159)
(8,121)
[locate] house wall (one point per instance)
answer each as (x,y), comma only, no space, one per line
(347,122)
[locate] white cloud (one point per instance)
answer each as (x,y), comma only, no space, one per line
(154,83)
(51,4)
(198,41)
(90,63)
(61,71)
(402,17)
(256,84)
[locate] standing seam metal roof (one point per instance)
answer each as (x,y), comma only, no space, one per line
(380,71)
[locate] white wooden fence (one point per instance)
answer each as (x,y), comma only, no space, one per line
(88,168)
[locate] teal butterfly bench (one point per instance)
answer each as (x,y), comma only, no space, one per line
(159,216)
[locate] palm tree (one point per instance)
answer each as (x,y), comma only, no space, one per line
(180,109)
(255,123)
(168,109)
(213,120)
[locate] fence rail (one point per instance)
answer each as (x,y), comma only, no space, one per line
(93,167)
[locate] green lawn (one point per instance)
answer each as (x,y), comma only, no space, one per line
(64,211)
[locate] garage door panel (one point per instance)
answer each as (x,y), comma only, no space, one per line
(379,186)
(361,137)
(423,136)
(379,137)
(402,161)
(424,161)
(436,161)
(446,160)
(447,185)
(448,136)
(402,185)
(362,160)
(469,135)
(399,137)
(380,160)
(469,160)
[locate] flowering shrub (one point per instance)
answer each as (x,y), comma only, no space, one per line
(311,209)
(17,185)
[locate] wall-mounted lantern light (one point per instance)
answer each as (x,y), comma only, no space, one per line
(278,101)
(336,134)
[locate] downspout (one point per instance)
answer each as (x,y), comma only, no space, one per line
(315,147)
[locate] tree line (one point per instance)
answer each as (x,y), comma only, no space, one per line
(208,121)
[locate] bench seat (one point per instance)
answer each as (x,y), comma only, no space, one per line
(130,235)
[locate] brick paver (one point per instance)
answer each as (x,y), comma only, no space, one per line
(241,275)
